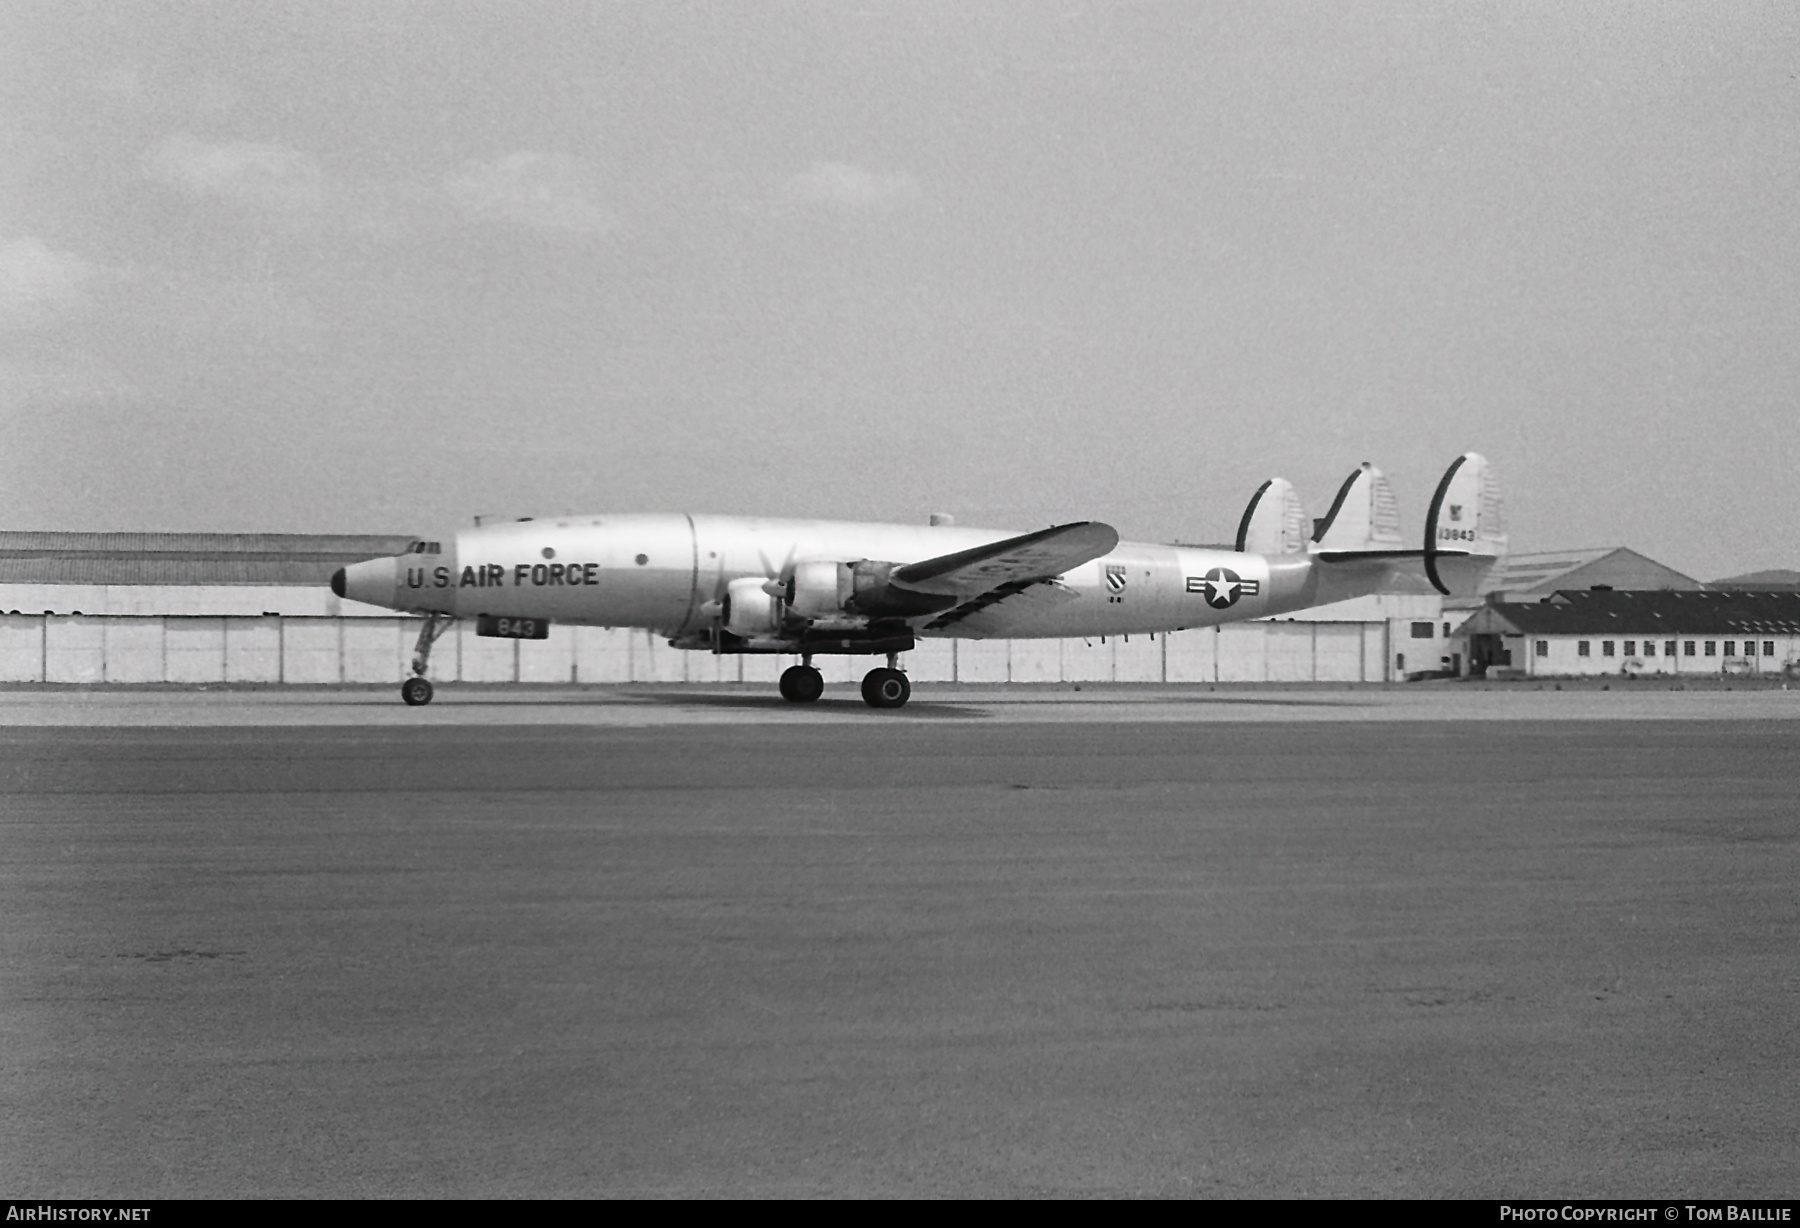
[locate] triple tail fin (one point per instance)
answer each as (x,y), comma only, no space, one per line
(1465,530)
(1274,522)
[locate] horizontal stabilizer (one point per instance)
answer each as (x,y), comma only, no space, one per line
(1353,556)
(1274,522)
(1031,556)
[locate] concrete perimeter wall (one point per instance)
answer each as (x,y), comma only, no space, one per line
(194,649)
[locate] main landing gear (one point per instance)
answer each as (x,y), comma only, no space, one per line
(801,684)
(885,688)
(416,691)
(881,688)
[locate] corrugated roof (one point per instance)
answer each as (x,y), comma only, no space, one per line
(1585,612)
(186,558)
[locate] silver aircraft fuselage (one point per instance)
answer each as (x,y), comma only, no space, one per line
(667,572)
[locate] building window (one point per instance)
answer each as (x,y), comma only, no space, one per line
(1669,648)
(1649,648)
(1631,648)
(1606,648)
(1749,648)
(1400,662)
(1768,648)
(1581,648)
(1542,648)
(1731,648)
(1687,649)
(1712,648)
(1421,631)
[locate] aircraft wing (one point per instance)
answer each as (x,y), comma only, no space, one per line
(1029,557)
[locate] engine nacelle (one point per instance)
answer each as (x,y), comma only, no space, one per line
(875,597)
(748,610)
(828,593)
(820,588)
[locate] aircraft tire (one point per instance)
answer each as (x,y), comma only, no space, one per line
(801,684)
(416,692)
(886,688)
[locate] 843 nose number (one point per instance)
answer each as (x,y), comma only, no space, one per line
(512,628)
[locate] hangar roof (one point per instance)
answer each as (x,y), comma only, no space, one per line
(1582,612)
(1548,571)
(185,558)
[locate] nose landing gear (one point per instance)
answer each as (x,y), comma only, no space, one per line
(416,691)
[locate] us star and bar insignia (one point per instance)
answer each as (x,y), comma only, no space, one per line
(1222,587)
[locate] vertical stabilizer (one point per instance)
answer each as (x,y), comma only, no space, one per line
(1465,530)
(1274,522)
(1363,517)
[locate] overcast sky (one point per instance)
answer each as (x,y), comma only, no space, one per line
(377,267)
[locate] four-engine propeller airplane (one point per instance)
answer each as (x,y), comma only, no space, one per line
(730,584)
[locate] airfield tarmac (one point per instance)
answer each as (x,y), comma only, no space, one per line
(1156,941)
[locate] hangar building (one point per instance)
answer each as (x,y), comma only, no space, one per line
(1540,576)
(215,607)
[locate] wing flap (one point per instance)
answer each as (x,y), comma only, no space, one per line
(1022,598)
(1028,557)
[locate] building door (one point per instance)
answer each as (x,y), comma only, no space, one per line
(1485,650)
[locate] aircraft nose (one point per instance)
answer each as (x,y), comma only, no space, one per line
(371,582)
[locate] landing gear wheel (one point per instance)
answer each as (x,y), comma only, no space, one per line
(885,688)
(416,691)
(801,684)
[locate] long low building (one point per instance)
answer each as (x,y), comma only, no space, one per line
(257,608)
(183,573)
(274,649)
(1594,632)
